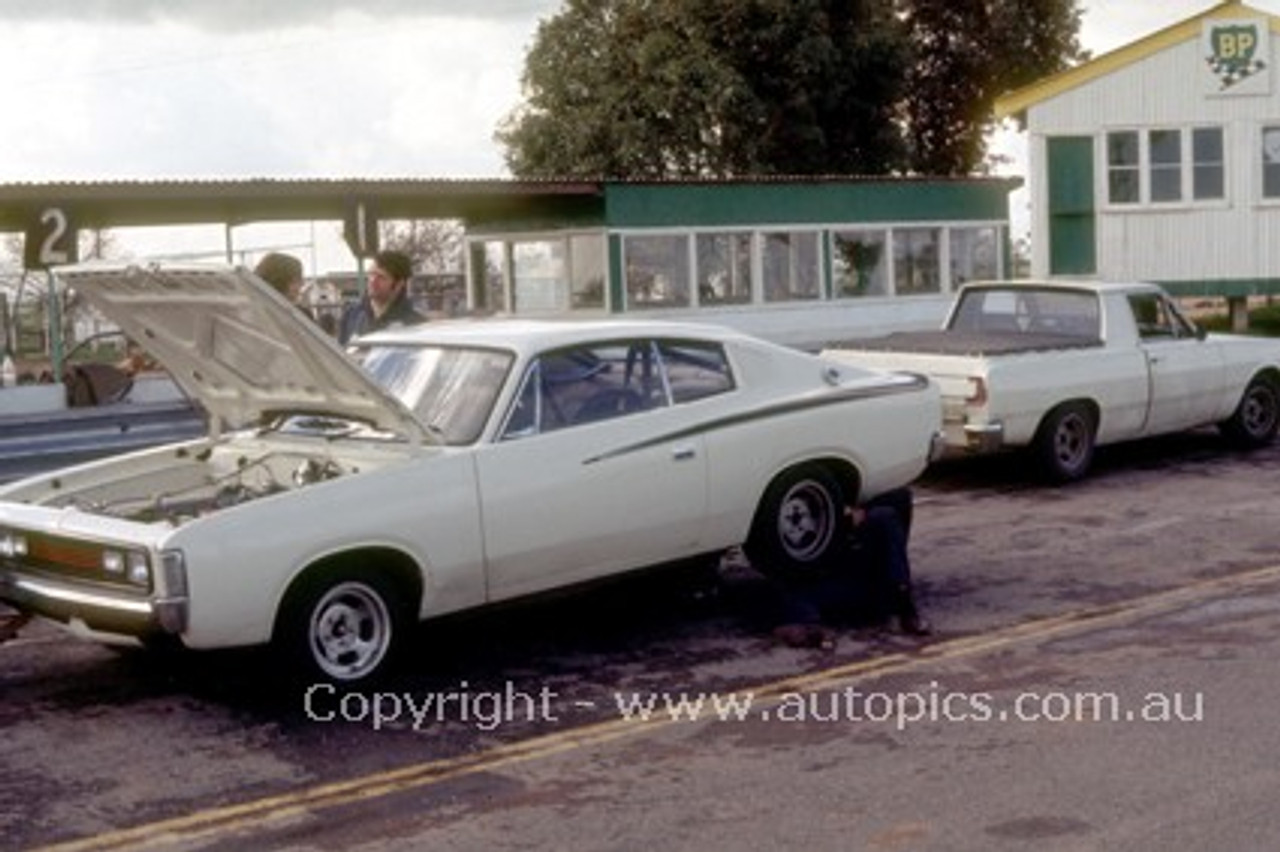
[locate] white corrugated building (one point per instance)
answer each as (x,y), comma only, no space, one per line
(1161,160)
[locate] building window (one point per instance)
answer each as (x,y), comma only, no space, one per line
(1271,162)
(975,254)
(789,264)
(916,261)
(1208,167)
(657,271)
(1166,165)
(1123,168)
(586,273)
(1152,167)
(493,287)
(859,263)
(724,268)
(539,282)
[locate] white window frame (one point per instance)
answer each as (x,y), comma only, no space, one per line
(1259,160)
(1145,168)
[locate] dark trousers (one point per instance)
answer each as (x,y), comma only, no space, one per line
(873,579)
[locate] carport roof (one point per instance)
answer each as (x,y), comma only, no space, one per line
(103,204)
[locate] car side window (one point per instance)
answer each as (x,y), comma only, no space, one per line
(587,384)
(695,370)
(1153,317)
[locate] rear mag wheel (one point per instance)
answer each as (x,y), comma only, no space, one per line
(799,523)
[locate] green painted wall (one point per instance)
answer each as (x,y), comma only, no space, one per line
(1223,287)
(677,204)
(806,202)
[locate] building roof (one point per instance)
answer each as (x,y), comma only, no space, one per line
(1016,102)
(103,204)
(123,203)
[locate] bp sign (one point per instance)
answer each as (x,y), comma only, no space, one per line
(1236,55)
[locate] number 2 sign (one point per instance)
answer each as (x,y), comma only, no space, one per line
(51,240)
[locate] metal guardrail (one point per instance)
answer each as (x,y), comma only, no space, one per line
(35,443)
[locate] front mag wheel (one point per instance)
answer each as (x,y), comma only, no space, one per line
(344,628)
(1254,422)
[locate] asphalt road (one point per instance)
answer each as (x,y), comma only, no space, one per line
(1102,677)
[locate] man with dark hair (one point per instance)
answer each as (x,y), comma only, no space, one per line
(386,301)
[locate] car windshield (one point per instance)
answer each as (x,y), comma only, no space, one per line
(452,390)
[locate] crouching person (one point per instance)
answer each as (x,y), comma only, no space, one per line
(876,569)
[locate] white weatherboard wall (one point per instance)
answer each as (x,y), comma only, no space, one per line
(1174,87)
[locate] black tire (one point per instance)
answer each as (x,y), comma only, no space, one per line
(799,524)
(1064,444)
(343,626)
(1254,422)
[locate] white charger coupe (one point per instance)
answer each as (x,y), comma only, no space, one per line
(340,496)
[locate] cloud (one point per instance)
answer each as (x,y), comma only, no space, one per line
(357,93)
(249,15)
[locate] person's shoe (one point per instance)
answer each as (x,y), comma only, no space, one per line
(913,625)
(909,619)
(805,636)
(10,625)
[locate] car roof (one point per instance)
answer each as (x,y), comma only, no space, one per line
(1090,284)
(542,334)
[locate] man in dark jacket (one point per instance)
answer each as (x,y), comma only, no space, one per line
(386,302)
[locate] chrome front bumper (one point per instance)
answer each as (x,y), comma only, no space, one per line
(101,610)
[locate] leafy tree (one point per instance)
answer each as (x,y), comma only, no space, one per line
(655,88)
(690,88)
(966,54)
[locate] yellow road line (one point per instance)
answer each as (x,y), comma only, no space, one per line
(232,818)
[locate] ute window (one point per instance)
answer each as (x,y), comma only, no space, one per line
(1157,318)
(1026,310)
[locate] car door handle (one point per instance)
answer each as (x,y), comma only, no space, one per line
(683,452)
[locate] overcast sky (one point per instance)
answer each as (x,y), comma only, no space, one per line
(138,89)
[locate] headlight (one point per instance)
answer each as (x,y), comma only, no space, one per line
(129,565)
(113,562)
(12,544)
(138,568)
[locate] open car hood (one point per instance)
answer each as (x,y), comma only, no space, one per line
(236,345)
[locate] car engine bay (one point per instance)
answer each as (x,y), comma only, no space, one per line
(198,484)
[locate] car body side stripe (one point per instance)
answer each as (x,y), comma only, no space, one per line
(803,402)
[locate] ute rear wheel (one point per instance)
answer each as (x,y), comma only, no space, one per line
(1064,444)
